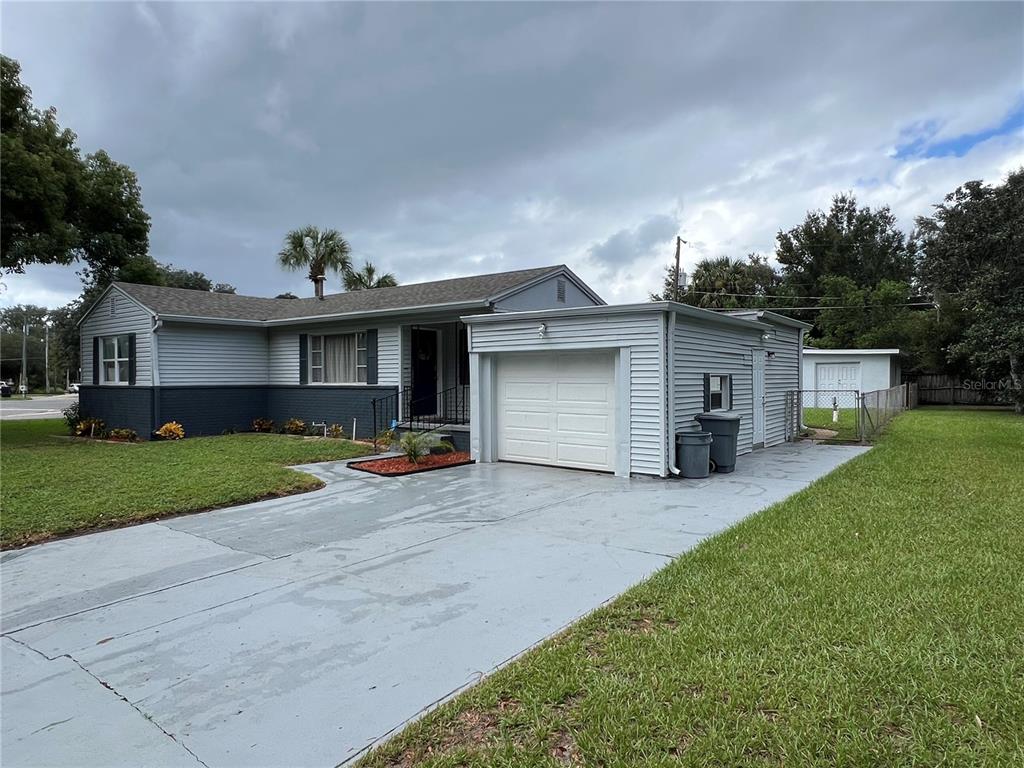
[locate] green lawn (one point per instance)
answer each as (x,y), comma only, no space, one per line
(51,485)
(846,427)
(875,618)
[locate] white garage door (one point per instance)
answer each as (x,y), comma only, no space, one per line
(555,408)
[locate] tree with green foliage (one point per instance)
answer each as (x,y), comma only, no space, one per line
(317,252)
(367,277)
(57,207)
(862,244)
(972,254)
(724,283)
(40,179)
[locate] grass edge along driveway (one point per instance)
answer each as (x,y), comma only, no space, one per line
(875,618)
(53,486)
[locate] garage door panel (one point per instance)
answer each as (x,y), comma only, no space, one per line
(587,423)
(588,456)
(527,390)
(557,409)
(576,393)
(522,419)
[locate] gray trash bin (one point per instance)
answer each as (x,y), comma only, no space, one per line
(693,453)
(725,426)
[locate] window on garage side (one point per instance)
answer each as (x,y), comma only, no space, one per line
(114,360)
(717,391)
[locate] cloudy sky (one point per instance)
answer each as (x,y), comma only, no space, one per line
(451,139)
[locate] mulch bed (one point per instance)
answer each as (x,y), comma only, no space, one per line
(399,465)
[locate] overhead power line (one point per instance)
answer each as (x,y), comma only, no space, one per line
(767,295)
(820,308)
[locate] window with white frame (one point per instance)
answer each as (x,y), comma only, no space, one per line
(719,392)
(114,362)
(338,358)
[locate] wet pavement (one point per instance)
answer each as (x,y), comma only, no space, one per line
(300,631)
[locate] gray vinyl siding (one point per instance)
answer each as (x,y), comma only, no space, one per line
(781,374)
(640,333)
(283,365)
(210,355)
(388,365)
(544,295)
(128,317)
(704,348)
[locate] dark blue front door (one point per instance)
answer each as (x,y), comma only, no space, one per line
(424,372)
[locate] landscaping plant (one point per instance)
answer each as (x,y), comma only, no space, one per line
(172,430)
(123,434)
(262,425)
(72,415)
(414,445)
(90,427)
(335,431)
(295,427)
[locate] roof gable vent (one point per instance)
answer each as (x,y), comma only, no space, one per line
(113,305)
(560,291)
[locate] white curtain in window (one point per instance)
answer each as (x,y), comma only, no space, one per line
(340,358)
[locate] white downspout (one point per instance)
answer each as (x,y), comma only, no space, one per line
(670,355)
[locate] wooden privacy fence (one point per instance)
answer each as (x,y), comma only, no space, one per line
(941,389)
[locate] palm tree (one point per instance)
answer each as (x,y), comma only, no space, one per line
(309,248)
(715,280)
(367,277)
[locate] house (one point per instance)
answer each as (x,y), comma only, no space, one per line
(214,362)
(517,366)
(848,370)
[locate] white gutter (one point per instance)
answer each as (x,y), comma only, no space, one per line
(695,313)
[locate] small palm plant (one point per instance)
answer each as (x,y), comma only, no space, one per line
(318,252)
(367,277)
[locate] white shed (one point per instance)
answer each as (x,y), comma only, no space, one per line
(607,387)
(864,370)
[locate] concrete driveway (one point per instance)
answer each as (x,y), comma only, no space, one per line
(299,631)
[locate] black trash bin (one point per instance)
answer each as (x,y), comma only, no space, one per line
(693,453)
(725,427)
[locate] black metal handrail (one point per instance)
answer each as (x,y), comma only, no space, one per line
(421,414)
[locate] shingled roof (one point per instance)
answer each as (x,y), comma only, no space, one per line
(182,302)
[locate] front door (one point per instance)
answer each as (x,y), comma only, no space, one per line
(759,397)
(424,372)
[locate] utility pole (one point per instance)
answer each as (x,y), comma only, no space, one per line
(24,357)
(46,356)
(679,243)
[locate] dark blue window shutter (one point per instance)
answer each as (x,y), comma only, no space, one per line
(131,359)
(707,392)
(303,358)
(371,356)
(730,392)
(96,360)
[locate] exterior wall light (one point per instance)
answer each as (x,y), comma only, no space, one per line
(542,331)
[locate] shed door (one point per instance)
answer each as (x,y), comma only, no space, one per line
(835,376)
(759,396)
(557,408)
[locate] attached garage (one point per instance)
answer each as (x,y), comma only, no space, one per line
(606,388)
(556,408)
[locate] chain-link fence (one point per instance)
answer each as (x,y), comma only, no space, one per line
(845,414)
(878,408)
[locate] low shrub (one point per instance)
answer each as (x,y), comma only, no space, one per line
(124,434)
(335,431)
(442,447)
(172,430)
(414,445)
(90,427)
(295,427)
(72,415)
(262,425)
(384,440)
